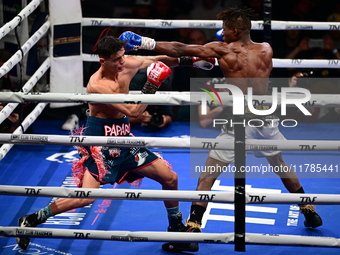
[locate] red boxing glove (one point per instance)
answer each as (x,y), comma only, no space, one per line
(157,73)
(202,63)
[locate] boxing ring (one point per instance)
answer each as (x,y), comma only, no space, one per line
(44,160)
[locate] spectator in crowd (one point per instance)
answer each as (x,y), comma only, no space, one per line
(142,9)
(302,11)
(332,42)
(291,46)
(206,10)
(302,80)
(213,112)
(257,6)
(181,34)
(197,36)
(155,116)
(162,9)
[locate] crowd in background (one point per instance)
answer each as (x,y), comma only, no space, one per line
(289,44)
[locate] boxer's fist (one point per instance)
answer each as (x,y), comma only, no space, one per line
(157,73)
(219,35)
(202,63)
(136,42)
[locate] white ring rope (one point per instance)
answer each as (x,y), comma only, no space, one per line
(161,195)
(19,97)
(177,98)
(148,236)
(7,66)
(140,236)
(210,24)
(170,142)
(5,148)
(8,109)
(277,62)
(37,75)
(306,63)
(23,14)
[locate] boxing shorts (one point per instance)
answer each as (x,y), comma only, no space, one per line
(269,131)
(110,164)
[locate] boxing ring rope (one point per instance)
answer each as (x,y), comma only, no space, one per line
(277,62)
(18,137)
(209,24)
(171,143)
(5,148)
(15,59)
(161,195)
(8,109)
(145,236)
(169,98)
(23,14)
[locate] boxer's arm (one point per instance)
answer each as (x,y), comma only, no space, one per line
(105,87)
(172,49)
(177,49)
(141,63)
(157,73)
(169,61)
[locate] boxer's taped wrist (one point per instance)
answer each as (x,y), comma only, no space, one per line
(186,61)
(149,88)
(147,43)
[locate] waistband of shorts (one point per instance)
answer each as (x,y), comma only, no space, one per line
(107,127)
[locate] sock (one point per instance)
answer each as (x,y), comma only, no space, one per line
(174,215)
(196,213)
(300,190)
(41,215)
(303,209)
(174,212)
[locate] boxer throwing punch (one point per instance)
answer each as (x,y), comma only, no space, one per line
(240,58)
(101,165)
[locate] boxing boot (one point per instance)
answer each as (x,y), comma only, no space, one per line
(313,220)
(30,221)
(179,247)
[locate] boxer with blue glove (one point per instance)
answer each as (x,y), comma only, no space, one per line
(240,58)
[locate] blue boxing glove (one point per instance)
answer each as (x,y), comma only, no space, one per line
(136,42)
(219,35)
